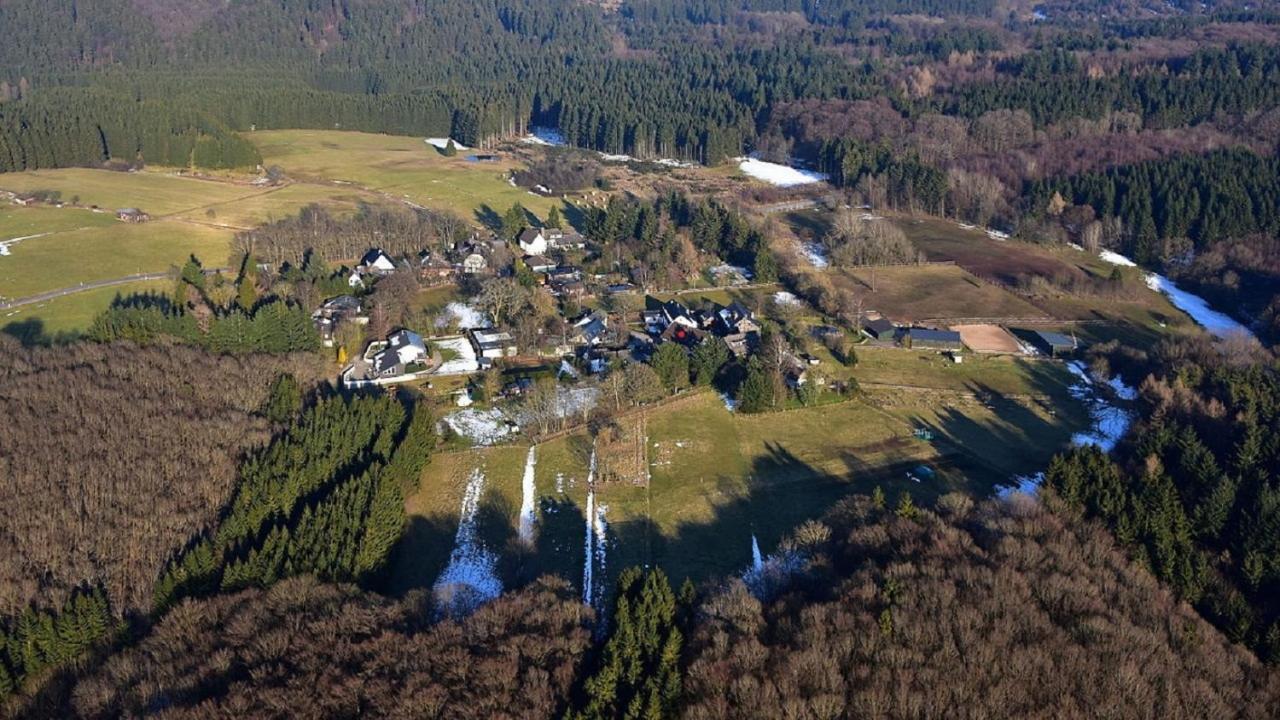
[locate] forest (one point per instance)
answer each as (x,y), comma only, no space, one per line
(888,603)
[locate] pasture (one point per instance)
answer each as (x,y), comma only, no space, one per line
(918,292)
(400,168)
(716,478)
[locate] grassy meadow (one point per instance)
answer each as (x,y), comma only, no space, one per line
(715,478)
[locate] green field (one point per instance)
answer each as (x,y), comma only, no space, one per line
(404,168)
(717,478)
(282,202)
(66,259)
(156,192)
(70,313)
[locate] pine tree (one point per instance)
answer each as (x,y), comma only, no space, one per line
(553,217)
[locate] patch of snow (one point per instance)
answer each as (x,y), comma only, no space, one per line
(470,579)
(1116,258)
(6,244)
(727,269)
(815,254)
(612,157)
(467,317)
(589,539)
(529,490)
(442,143)
(729,403)
(464,364)
(768,575)
(870,217)
(1075,246)
(481,427)
(997,235)
(779,175)
(1108,422)
(782,297)
(1122,390)
(539,135)
(1025,484)
(569,402)
(1218,324)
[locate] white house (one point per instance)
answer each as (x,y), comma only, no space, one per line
(377,261)
(533,242)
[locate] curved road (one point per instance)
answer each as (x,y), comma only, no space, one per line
(61,292)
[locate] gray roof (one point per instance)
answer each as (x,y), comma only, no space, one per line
(934,335)
(1056,340)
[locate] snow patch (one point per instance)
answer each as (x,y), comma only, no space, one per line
(481,427)
(816,254)
(529,490)
(780,175)
(782,297)
(768,575)
(467,317)
(539,135)
(442,143)
(6,244)
(1109,423)
(1218,324)
(730,404)
(1025,484)
(464,364)
(469,580)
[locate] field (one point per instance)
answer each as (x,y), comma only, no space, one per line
(718,478)
(400,168)
(987,338)
(920,292)
(157,192)
(70,313)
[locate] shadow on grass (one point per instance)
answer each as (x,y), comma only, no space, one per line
(32,333)
(779,492)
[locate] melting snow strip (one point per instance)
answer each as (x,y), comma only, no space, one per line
(469,580)
(528,490)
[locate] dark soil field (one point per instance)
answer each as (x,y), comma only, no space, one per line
(1004,262)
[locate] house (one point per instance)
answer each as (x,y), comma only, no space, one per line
(132,215)
(654,321)
(491,344)
(736,319)
(474,264)
(741,344)
(561,239)
(677,314)
(590,330)
(334,311)
(532,242)
(1056,344)
(683,334)
(574,289)
(403,348)
(376,262)
(433,267)
(880,328)
(563,273)
(355,280)
(539,263)
(926,339)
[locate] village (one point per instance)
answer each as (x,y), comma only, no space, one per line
(605,322)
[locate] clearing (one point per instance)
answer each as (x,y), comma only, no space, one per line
(932,292)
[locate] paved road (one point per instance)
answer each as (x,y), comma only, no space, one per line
(6,304)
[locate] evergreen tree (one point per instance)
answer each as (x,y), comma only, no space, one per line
(671,362)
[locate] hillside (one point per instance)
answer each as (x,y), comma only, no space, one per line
(999,610)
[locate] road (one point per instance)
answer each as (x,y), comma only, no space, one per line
(62,292)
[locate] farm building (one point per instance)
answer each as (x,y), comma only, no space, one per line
(1056,343)
(132,215)
(879,328)
(924,338)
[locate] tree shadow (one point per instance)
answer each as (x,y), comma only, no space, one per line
(422,553)
(32,333)
(488,217)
